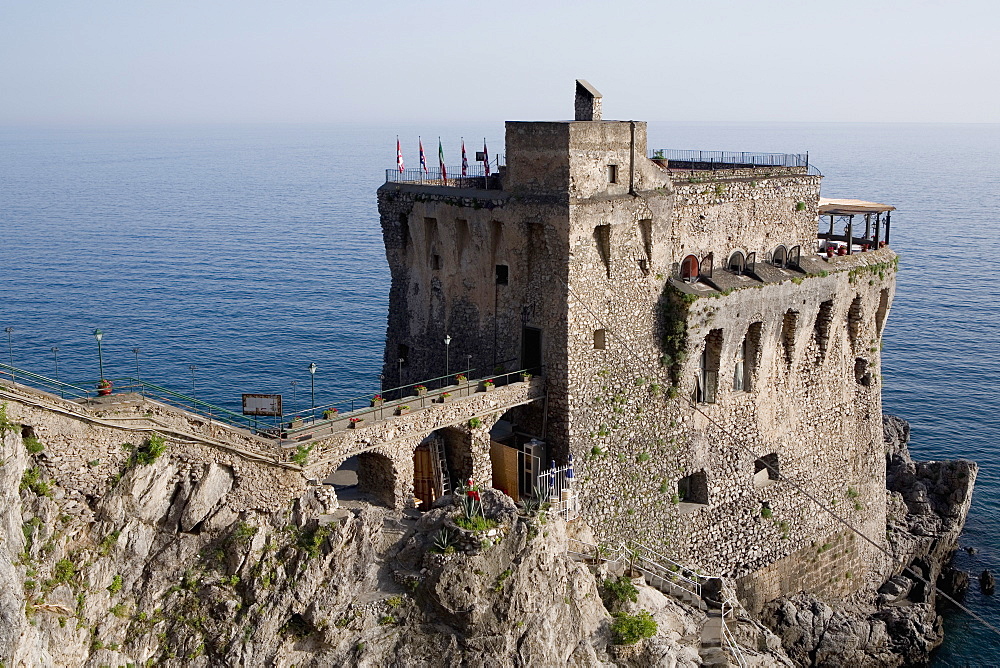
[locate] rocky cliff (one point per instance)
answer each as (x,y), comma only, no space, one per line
(899,624)
(157,569)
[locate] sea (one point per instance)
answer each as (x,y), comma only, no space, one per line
(221,260)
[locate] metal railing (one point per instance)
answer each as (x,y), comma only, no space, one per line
(288,425)
(475,176)
(711,160)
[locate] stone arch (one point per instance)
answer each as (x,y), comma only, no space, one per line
(377,477)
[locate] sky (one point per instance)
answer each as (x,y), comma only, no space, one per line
(312,61)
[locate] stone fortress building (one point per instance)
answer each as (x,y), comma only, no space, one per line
(709,348)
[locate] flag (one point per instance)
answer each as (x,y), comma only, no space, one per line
(444,172)
(423,160)
(399,156)
(465,160)
(486,159)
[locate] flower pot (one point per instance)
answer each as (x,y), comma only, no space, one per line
(402,411)
(377,403)
(103,391)
(443,399)
(421,391)
(356,424)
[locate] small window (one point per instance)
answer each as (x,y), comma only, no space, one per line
(779,256)
(689,269)
(436,262)
(708,368)
(612,173)
(737,263)
(740,373)
(602,235)
(765,470)
(403,351)
(693,488)
(503,274)
(600,339)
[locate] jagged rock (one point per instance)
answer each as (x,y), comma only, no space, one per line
(987,583)
(953,582)
(214,485)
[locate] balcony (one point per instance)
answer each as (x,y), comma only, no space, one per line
(693,161)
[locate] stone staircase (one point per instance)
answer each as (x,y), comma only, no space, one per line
(718,648)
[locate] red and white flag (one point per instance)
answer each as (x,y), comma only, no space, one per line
(423,159)
(465,160)
(399,156)
(486,159)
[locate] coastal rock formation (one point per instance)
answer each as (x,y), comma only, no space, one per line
(927,506)
(157,569)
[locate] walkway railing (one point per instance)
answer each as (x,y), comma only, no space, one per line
(295,426)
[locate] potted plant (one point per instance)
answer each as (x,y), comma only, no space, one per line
(525,376)
(461,378)
(295,422)
(444,397)
(377,401)
(421,390)
(488,385)
(356,422)
(104,387)
(402,410)
(330,414)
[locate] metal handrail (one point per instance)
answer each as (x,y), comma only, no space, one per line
(63,387)
(741,158)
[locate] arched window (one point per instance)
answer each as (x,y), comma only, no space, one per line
(706,265)
(737,262)
(779,256)
(689,269)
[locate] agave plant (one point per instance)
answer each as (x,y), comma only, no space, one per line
(443,539)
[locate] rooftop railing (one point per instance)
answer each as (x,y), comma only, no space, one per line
(712,160)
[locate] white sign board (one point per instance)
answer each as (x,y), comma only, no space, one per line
(262,404)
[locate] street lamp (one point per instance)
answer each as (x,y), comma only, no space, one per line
(192,367)
(136,351)
(295,394)
(447,349)
(98,334)
(312,383)
(55,353)
(468,363)
(10,350)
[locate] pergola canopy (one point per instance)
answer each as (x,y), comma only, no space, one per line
(850,207)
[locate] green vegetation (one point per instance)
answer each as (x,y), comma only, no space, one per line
(387,620)
(5,423)
(116,584)
(643,457)
(674,307)
(32,480)
(475,423)
(394,602)
(498,586)
(32,445)
(766,512)
(301,456)
(618,590)
(630,629)
(800,206)
(108,542)
(475,523)
(444,541)
(64,571)
(311,542)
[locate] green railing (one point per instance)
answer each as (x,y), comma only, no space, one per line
(290,425)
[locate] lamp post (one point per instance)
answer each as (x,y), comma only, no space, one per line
(295,394)
(98,334)
(312,384)
(10,350)
(468,363)
(447,350)
(55,353)
(192,367)
(136,351)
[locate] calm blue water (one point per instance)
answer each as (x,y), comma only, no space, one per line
(250,252)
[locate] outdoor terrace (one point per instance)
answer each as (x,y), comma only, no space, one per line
(675,160)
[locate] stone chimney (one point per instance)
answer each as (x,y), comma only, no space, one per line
(588,102)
